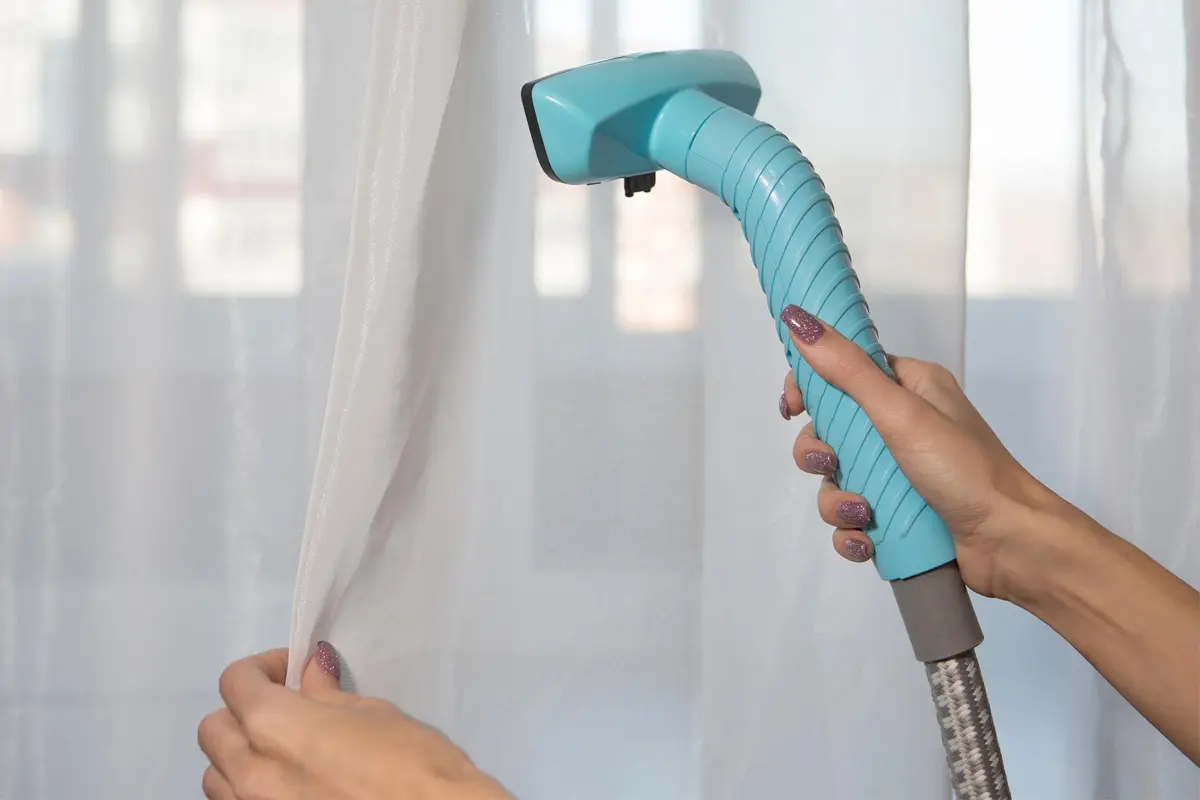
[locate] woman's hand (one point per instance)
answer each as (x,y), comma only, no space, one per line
(1138,624)
(270,743)
(942,444)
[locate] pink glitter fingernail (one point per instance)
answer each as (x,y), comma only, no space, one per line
(327,660)
(804,325)
(858,550)
(821,462)
(854,513)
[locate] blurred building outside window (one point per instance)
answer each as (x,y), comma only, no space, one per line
(36,48)
(241,127)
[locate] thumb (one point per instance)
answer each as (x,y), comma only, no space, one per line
(322,674)
(847,366)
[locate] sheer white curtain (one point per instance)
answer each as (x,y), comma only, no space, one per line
(555,512)
(1082,337)
(175,186)
(552,510)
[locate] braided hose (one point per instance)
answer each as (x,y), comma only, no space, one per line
(968,731)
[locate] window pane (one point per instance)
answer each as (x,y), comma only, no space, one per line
(36,44)
(240,210)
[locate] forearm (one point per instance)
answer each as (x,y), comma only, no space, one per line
(1138,624)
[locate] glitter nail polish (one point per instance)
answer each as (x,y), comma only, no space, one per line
(854,513)
(858,549)
(783,407)
(821,461)
(327,660)
(804,325)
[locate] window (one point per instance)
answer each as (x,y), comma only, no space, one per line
(240,208)
(36,43)
(647,247)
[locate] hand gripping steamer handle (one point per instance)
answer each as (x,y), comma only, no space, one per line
(690,113)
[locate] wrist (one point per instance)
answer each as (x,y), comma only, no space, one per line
(1044,548)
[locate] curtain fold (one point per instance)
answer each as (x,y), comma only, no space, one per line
(1082,342)
(378,410)
(1135,311)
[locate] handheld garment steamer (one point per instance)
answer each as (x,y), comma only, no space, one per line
(690,112)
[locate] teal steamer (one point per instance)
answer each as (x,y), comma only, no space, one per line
(691,113)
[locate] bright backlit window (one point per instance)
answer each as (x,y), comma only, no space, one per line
(36,37)
(650,245)
(242,117)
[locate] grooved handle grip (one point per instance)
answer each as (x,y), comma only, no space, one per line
(796,243)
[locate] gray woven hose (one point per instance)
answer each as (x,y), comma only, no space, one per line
(968,731)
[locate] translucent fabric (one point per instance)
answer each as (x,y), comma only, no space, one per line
(555,511)
(1082,340)
(258,254)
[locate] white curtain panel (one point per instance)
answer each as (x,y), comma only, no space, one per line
(176,182)
(258,256)
(1082,338)
(555,512)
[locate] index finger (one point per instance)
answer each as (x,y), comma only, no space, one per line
(847,366)
(254,679)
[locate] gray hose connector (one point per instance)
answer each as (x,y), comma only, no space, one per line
(938,614)
(944,632)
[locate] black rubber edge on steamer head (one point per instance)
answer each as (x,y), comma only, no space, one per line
(539,145)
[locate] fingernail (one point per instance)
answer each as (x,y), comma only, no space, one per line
(854,512)
(858,550)
(784,411)
(821,461)
(807,328)
(327,660)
